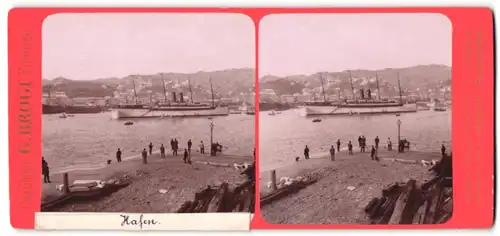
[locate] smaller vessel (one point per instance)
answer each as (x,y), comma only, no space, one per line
(315,120)
(272,113)
(63,115)
(439,109)
(129,123)
(398,114)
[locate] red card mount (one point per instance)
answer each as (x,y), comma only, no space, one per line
(472,117)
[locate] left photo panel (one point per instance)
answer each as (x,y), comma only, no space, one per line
(146,114)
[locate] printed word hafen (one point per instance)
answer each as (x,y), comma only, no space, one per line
(137,222)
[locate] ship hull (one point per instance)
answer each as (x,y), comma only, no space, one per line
(83,110)
(52,109)
(152,113)
(334,110)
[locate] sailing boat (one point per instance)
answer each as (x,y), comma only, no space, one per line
(176,107)
(365,105)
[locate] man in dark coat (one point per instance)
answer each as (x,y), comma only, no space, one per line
(45,171)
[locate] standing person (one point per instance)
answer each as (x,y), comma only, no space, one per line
(172,145)
(377,140)
(150,148)
(144,156)
(349,147)
(364,143)
(372,154)
(360,142)
(175,147)
(189,145)
(119,155)
(389,144)
(186,155)
(45,171)
(162,151)
(306,152)
(443,150)
(332,153)
(202,148)
(338,145)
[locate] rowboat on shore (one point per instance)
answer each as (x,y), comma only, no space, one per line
(87,191)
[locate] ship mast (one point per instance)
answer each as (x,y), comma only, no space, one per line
(400,94)
(378,87)
(352,87)
(190,90)
(212,90)
(322,87)
(49,100)
(135,92)
(164,89)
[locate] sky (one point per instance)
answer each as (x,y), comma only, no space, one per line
(305,44)
(99,45)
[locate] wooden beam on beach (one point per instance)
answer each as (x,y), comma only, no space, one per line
(273,180)
(66,183)
(222,199)
(285,191)
(426,203)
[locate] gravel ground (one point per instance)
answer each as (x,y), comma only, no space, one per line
(180,180)
(330,202)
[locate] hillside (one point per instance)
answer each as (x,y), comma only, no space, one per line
(229,82)
(422,77)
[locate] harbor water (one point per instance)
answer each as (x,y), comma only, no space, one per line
(86,141)
(283,137)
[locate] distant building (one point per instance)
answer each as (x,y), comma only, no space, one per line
(286,98)
(55,94)
(268,95)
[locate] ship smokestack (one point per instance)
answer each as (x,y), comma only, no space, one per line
(174,97)
(181,97)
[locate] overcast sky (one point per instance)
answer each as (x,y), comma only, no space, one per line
(96,45)
(305,44)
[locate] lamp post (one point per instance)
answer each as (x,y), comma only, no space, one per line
(211,135)
(399,135)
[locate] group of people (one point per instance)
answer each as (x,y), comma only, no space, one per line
(404,143)
(174,145)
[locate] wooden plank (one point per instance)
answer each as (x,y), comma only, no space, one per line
(217,202)
(419,217)
(400,205)
(430,213)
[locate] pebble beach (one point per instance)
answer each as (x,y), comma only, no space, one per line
(345,187)
(161,186)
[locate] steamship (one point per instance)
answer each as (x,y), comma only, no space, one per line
(366,105)
(177,107)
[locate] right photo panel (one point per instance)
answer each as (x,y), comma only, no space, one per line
(355,118)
